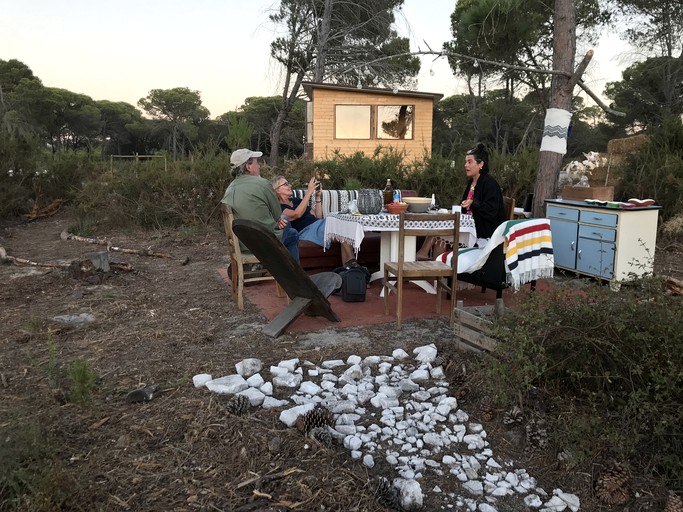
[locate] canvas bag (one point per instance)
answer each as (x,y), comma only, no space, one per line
(354,283)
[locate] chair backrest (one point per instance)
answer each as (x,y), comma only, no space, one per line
(234,249)
(509,206)
(448,225)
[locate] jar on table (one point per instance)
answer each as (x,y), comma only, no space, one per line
(369,201)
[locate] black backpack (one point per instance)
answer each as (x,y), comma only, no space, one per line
(354,283)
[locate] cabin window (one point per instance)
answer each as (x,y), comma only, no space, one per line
(352,121)
(395,122)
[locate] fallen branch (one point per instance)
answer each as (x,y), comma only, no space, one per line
(23,261)
(49,210)
(103,241)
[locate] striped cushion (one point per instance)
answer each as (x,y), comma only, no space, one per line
(333,200)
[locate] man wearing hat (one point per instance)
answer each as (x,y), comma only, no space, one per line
(252,197)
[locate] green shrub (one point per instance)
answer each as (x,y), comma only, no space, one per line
(656,170)
(82,378)
(615,358)
(30,477)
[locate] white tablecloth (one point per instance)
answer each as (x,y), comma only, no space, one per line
(345,227)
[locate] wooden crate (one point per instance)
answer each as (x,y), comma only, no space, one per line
(581,193)
(473,326)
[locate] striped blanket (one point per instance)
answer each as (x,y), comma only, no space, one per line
(528,248)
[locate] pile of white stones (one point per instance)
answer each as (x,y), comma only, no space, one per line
(396,409)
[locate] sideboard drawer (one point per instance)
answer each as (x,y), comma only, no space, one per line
(558,212)
(599,218)
(596,233)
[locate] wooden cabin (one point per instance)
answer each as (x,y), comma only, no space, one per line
(349,119)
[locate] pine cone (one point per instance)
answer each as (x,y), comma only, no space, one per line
(461,393)
(322,435)
(536,435)
(513,417)
(459,376)
(612,486)
(238,405)
(387,495)
(318,417)
(487,411)
(674,503)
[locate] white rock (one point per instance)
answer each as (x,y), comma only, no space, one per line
(347,430)
(411,496)
(289,380)
(313,373)
(461,416)
(426,353)
(310,388)
(356,454)
(572,500)
(327,385)
(254,395)
(355,372)
(201,379)
(390,391)
(331,377)
(555,504)
(473,442)
(248,367)
(290,364)
(368,461)
(383,402)
(352,443)
(289,416)
(485,507)
(437,373)
(227,385)
(270,403)
(475,428)
(334,363)
(364,396)
(474,487)
(349,389)
(492,463)
(340,406)
(421,395)
(371,360)
(419,376)
(278,370)
(267,388)
(432,439)
(532,500)
(399,354)
(255,381)
(351,360)
(448,460)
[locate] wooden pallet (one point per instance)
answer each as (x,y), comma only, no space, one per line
(473,326)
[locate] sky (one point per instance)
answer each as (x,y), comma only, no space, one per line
(120,51)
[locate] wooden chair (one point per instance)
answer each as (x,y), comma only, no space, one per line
(238,259)
(509,206)
(401,270)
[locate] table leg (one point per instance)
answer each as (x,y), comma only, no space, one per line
(389,252)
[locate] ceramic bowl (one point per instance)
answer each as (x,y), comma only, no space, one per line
(418,204)
(396,208)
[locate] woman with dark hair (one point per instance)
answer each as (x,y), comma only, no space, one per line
(482,198)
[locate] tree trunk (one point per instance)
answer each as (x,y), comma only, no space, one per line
(564,53)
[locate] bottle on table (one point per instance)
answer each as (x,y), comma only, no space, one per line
(388,192)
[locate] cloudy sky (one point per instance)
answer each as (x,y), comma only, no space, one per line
(121,50)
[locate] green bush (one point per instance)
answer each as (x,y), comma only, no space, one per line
(615,358)
(30,476)
(656,170)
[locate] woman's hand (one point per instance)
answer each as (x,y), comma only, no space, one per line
(467,203)
(312,184)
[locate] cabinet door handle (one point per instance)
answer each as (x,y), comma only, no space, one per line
(573,245)
(579,253)
(599,235)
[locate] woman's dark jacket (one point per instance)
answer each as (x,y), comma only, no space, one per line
(487,207)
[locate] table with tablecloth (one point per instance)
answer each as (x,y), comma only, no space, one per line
(350,228)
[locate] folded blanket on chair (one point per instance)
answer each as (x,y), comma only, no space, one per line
(528,248)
